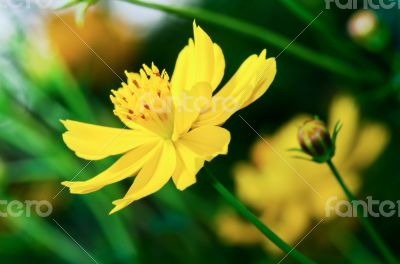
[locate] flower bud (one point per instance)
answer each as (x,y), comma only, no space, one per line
(365,29)
(362,23)
(315,140)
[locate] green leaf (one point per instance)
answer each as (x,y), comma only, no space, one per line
(50,237)
(81,11)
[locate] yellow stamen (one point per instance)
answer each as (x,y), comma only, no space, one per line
(145,100)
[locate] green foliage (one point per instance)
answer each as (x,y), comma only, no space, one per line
(173,226)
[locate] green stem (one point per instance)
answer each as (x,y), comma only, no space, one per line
(380,244)
(235,203)
(321,60)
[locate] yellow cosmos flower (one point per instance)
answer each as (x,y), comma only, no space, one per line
(284,201)
(173,125)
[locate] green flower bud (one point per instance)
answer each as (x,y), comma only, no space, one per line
(315,140)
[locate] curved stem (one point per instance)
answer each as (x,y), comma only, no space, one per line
(380,244)
(321,60)
(241,209)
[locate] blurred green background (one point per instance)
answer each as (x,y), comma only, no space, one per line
(48,73)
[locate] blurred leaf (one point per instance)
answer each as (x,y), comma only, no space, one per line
(81,9)
(54,239)
(37,144)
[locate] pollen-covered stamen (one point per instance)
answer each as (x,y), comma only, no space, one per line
(145,99)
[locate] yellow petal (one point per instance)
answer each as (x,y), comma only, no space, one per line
(250,82)
(344,109)
(94,142)
(200,61)
(188,165)
(152,177)
(249,184)
(372,140)
(290,223)
(233,229)
(188,105)
(126,166)
(207,141)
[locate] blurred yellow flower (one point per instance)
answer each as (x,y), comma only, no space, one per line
(174,125)
(99,31)
(274,187)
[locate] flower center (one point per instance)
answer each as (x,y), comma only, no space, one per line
(145,101)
